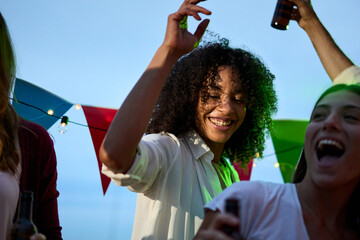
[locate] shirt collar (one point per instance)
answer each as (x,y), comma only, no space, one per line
(197,146)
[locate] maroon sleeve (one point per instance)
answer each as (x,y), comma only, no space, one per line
(39,174)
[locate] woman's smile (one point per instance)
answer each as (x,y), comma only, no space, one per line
(220,122)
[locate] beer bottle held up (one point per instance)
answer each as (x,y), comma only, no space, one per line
(282,14)
(24,227)
(232,206)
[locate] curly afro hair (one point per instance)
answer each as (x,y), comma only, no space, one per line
(176,109)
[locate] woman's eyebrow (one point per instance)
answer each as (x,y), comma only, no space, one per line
(215,87)
(346,107)
(350,106)
(322,106)
(238,88)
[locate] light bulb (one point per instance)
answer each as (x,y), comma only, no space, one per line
(63,125)
(50,112)
(62,128)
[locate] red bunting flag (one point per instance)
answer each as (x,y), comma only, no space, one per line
(99,120)
(244,173)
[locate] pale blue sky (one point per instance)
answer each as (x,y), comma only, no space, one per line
(92,52)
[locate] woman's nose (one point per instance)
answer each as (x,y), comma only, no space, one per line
(225,104)
(332,122)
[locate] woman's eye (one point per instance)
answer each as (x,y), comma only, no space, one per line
(350,117)
(214,96)
(240,101)
(318,116)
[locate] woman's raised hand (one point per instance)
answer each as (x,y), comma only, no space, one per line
(177,36)
(304,13)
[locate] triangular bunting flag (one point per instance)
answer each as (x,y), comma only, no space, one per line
(99,120)
(32,103)
(288,140)
(244,173)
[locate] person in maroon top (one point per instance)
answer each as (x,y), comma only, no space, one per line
(39,174)
(27,145)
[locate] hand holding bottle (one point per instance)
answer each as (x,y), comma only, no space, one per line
(212,227)
(304,14)
(232,207)
(24,226)
(332,57)
(221,225)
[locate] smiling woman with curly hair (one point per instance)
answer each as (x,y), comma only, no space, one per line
(201,109)
(176,109)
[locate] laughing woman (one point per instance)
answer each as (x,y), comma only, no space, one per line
(324,201)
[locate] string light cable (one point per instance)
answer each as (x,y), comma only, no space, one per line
(57,117)
(105,130)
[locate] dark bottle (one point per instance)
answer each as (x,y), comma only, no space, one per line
(232,206)
(24,227)
(282,14)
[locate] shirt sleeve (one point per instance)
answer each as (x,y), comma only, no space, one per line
(351,75)
(153,152)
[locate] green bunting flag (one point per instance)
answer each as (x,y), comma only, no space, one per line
(288,140)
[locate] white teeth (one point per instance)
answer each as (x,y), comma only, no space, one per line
(220,123)
(330,142)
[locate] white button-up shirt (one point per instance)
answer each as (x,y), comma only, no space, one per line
(174,179)
(351,75)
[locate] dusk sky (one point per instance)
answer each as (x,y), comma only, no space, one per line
(92,52)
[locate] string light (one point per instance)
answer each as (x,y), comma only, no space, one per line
(63,124)
(47,113)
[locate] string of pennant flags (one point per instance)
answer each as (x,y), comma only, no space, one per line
(45,108)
